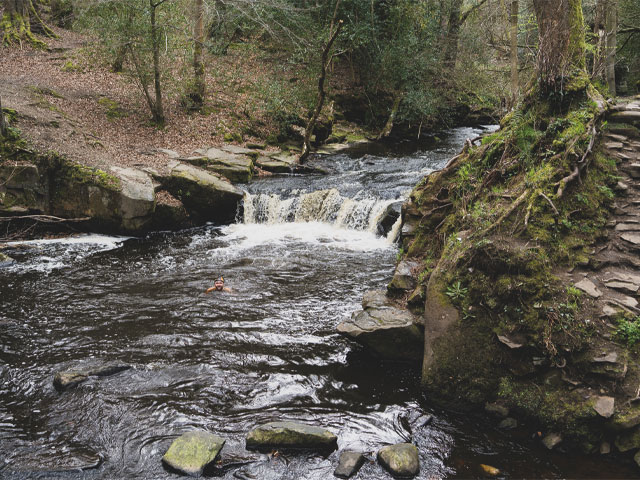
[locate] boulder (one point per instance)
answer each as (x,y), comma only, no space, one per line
(206,195)
(193,451)
(604,406)
(389,217)
(73,377)
(276,164)
(291,435)
(233,163)
(170,213)
(403,280)
(401,460)
(608,365)
(349,464)
(508,423)
(626,419)
(121,199)
(387,331)
(23,188)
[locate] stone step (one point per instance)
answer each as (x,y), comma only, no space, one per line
(617,138)
(632,116)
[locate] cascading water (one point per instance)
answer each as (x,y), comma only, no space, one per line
(326,206)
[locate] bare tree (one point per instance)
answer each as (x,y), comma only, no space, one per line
(198,91)
(515,82)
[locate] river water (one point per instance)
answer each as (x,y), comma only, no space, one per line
(298,265)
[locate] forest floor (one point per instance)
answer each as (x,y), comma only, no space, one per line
(68,101)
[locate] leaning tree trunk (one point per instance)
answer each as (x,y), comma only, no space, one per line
(561,51)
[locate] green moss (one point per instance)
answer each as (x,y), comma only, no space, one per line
(45,91)
(112,108)
(71,66)
(74,173)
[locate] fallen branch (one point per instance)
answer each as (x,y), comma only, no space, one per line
(45,219)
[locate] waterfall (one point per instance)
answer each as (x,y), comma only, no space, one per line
(326,206)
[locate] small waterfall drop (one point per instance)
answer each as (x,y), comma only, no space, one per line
(326,206)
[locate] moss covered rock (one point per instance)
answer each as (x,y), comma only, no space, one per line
(291,435)
(400,460)
(193,451)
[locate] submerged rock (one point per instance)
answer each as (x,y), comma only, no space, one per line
(489,470)
(193,451)
(387,331)
(75,376)
(401,460)
(291,435)
(349,464)
(6,260)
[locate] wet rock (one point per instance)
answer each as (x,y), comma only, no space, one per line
(629,440)
(508,424)
(6,260)
(403,279)
(423,421)
(626,419)
(588,287)
(552,440)
(489,471)
(137,198)
(604,406)
(274,165)
(291,435)
(496,409)
(193,451)
(349,464)
(204,194)
(170,213)
(401,460)
(387,331)
(73,377)
(389,218)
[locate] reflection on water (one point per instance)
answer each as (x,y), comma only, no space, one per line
(226,362)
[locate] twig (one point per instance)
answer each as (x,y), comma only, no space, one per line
(45,219)
(555,210)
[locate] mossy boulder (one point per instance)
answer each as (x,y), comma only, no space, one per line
(629,440)
(401,460)
(192,452)
(291,435)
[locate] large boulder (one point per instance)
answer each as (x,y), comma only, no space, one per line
(400,460)
(193,451)
(386,330)
(121,199)
(291,435)
(23,189)
(204,194)
(235,164)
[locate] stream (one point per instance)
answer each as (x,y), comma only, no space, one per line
(299,263)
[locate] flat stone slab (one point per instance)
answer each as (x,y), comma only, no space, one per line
(401,460)
(233,163)
(387,331)
(627,227)
(633,238)
(588,287)
(274,165)
(626,116)
(193,451)
(349,464)
(291,435)
(75,376)
(614,145)
(623,286)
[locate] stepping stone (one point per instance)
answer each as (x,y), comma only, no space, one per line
(624,286)
(632,115)
(400,460)
(349,464)
(632,169)
(628,227)
(629,302)
(193,451)
(291,435)
(604,406)
(614,145)
(588,287)
(617,138)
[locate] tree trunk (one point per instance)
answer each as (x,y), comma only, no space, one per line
(324,64)
(561,43)
(599,34)
(19,21)
(158,111)
(611,26)
(199,87)
(453,34)
(515,83)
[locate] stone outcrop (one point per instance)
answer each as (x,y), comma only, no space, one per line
(384,329)
(192,452)
(401,460)
(291,435)
(74,376)
(232,162)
